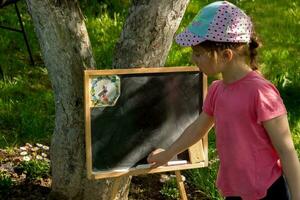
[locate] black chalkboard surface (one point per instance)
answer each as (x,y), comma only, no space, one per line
(140,112)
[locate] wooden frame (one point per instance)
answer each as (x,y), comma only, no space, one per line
(194,153)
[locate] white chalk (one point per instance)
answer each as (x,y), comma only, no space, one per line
(170,163)
(177,162)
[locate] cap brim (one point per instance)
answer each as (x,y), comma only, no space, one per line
(187,39)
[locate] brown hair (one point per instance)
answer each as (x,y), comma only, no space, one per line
(249,50)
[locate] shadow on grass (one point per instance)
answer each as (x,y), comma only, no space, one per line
(25,191)
(291,98)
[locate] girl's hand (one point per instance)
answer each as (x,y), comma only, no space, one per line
(158,158)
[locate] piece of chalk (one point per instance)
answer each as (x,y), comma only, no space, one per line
(177,162)
(170,163)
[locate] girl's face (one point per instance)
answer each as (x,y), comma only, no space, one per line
(206,61)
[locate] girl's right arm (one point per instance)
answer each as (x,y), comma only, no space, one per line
(192,134)
(279,131)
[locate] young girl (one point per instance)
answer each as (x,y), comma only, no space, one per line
(252,133)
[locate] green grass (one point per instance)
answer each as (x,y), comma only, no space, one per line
(104,30)
(277,32)
(170,189)
(26,108)
(26,99)
(34,169)
(104,27)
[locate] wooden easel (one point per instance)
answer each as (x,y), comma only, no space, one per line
(180,184)
(198,153)
(115,190)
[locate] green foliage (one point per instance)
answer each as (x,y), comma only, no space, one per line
(14,56)
(5,181)
(279,54)
(170,189)
(104,32)
(104,21)
(205,178)
(96,8)
(26,108)
(34,169)
(26,102)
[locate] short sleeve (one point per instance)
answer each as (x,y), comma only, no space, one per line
(269,103)
(209,102)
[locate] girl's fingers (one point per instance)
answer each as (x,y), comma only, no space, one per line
(155,165)
(150,158)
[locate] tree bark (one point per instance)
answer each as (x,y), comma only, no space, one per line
(148,33)
(61,31)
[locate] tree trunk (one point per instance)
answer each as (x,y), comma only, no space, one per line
(148,33)
(66,49)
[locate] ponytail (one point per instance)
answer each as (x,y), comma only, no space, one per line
(253,45)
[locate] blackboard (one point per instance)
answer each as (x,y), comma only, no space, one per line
(131,112)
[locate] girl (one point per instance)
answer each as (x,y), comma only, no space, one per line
(252,131)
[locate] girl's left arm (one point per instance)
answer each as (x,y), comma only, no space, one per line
(280,135)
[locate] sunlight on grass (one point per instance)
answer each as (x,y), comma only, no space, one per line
(104,32)
(26,108)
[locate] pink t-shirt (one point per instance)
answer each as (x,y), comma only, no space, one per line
(249,164)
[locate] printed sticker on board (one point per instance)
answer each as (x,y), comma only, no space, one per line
(105,91)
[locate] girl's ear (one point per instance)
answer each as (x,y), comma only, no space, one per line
(227,55)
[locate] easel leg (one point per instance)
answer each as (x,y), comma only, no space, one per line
(181,185)
(115,188)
